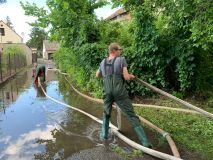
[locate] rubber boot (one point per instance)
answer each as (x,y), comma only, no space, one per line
(142,137)
(105,128)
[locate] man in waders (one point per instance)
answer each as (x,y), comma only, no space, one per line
(113,69)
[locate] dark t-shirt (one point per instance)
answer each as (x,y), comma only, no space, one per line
(119,63)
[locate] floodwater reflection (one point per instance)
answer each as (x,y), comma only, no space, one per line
(24,145)
(34,127)
(10,90)
(39,90)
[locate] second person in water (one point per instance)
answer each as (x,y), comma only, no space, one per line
(40,74)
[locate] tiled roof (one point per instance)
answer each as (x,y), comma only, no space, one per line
(118,12)
(51,46)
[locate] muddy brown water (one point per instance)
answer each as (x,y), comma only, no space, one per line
(34,127)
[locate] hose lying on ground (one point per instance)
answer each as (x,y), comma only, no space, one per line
(180,101)
(166,108)
(164,134)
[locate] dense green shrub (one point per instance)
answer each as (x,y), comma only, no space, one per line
(168,43)
(173,43)
(15,55)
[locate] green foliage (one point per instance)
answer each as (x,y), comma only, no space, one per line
(127,3)
(14,49)
(204,75)
(90,55)
(170,37)
(37,36)
(74,22)
(40,13)
(81,64)
(168,43)
(94,86)
(191,130)
(116,32)
(66,60)
(13,58)
(63,57)
(178,94)
(127,155)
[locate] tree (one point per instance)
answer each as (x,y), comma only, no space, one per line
(37,36)
(174,40)
(9,23)
(70,21)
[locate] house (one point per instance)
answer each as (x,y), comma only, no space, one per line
(49,48)
(7,35)
(120,15)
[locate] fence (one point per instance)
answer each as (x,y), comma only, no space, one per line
(11,64)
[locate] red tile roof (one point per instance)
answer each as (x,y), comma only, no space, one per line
(51,46)
(118,12)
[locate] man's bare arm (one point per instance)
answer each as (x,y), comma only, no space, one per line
(126,74)
(98,73)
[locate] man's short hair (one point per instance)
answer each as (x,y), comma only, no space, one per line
(113,47)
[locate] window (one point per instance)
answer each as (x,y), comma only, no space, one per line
(2,32)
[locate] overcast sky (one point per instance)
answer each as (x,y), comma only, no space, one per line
(13,9)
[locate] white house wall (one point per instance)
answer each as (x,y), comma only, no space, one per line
(44,52)
(10,36)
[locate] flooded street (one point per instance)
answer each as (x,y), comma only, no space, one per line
(34,127)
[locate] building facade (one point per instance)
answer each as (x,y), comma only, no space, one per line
(49,48)
(7,35)
(9,38)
